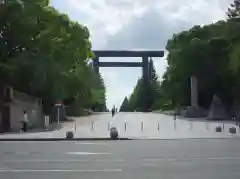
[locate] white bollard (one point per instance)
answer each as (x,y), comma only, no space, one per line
(191,125)
(109,126)
(141,126)
(92,125)
(46,122)
(207,126)
(75,127)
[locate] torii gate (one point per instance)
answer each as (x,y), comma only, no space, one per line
(145,55)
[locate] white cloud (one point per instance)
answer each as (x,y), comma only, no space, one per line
(137,24)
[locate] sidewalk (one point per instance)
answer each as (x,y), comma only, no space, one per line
(58,132)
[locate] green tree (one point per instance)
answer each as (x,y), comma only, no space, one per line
(145,94)
(205,52)
(211,53)
(44,53)
(124,106)
(234,9)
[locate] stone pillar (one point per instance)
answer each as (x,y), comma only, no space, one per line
(150,68)
(145,68)
(145,75)
(96,64)
(194,92)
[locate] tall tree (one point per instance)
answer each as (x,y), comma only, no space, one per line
(145,94)
(124,107)
(44,53)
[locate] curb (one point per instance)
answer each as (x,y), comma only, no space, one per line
(60,139)
(109,139)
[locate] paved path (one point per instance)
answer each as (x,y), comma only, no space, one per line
(141,159)
(138,125)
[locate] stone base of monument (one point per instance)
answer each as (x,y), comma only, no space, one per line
(113,133)
(217,110)
(194,112)
(69,134)
(217,115)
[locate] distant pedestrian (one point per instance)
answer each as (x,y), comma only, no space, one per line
(113,112)
(175,115)
(25,121)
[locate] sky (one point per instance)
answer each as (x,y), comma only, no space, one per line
(137,25)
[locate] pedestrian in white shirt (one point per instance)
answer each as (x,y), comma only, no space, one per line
(25,120)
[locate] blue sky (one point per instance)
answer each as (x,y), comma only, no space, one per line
(136,25)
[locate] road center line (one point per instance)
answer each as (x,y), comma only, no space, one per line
(86,153)
(189,159)
(58,170)
(80,143)
(61,160)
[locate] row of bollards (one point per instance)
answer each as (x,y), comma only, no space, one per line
(158,126)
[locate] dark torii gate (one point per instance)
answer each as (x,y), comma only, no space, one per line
(145,55)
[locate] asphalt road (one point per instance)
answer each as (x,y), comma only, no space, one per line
(141,159)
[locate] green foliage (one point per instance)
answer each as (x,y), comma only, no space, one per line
(124,107)
(45,54)
(211,53)
(145,93)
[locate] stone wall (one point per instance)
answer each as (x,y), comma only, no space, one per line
(12,107)
(32,105)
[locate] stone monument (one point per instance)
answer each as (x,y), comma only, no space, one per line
(194,111)
(217,110)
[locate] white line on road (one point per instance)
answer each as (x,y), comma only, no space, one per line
(60,160)
(86,153)
(80,143)
(58,170)
(188,159)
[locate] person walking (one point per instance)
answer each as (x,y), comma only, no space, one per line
(25,121)
(113,112)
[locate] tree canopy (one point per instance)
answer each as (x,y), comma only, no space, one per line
(144,94)
(211,53)
(124,106)
(44,53)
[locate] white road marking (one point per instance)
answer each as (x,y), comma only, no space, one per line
(22,153)
(86,153)
(3,168)
(58,170)
(61,160)
(80,143)
(189,159)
